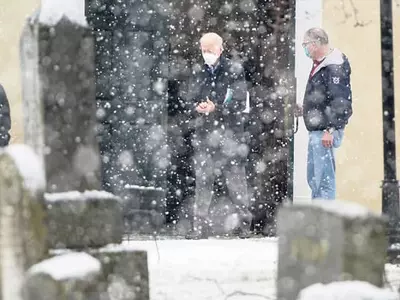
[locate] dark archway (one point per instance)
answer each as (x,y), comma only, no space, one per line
(145,52)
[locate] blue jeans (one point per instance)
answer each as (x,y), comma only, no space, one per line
(321,165)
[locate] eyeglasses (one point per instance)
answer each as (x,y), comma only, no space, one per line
(306,43)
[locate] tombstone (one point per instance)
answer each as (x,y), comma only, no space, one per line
(71,276)
(23,232)
(57,56)
(82,220)
(124,271)
(328,241)
(354,290)
(144,209)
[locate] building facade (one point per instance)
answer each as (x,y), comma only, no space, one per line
(353,29)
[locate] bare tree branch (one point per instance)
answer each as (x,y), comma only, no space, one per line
(354,13)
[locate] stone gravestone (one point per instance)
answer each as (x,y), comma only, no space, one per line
(57,55)
(328,241)
(124,271)
(73,276)
(23,232)
(81,220)
(144,209)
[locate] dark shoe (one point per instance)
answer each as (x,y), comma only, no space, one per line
(201,230)
(244,233)
(197,234)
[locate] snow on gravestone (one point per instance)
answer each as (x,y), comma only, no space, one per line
(347,290)
(81,220)
(23,232)
(328,241)
(124,268)
(58,74)
(73,276)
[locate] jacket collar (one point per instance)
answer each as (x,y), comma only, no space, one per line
(333,58)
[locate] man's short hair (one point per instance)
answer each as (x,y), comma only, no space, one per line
(318,34)
(212,36)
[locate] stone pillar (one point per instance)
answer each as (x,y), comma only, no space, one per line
(328,241)
(57,55)
(22,228)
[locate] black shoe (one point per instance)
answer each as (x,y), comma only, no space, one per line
(244,233)
(197,234)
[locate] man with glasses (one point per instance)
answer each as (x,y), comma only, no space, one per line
(327,107)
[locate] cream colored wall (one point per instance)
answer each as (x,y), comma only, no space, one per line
(360,159)
(12,19)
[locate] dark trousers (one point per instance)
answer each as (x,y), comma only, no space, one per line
(216,154)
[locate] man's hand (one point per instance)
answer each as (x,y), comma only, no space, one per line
(202,107)
(211,105)
(205,107)
(298,110)
(327,140)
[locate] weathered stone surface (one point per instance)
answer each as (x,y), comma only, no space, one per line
(22,227)
(73,276)
(125,274)
(141,221)
(81,220)
(144,208)
(125,271)
(328,241)
(354,290)
(59,102)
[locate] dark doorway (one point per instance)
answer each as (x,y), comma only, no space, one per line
(145,53)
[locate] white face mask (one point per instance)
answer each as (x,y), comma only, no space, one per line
(210,58)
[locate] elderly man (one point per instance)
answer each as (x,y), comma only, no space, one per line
(5,120)
(327,107)
(218,96)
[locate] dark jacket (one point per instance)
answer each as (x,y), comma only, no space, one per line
(226,87)
(5,120)
(328,98)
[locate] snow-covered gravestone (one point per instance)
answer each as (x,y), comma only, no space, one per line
(22,227)
(74,276)
(327,241)
(58,73)
(125,271)
(84,220)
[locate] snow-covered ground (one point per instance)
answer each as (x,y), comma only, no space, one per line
(216,269)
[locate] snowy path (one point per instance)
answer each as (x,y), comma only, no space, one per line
(216,269)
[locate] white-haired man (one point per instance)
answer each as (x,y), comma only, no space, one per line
(218,96)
